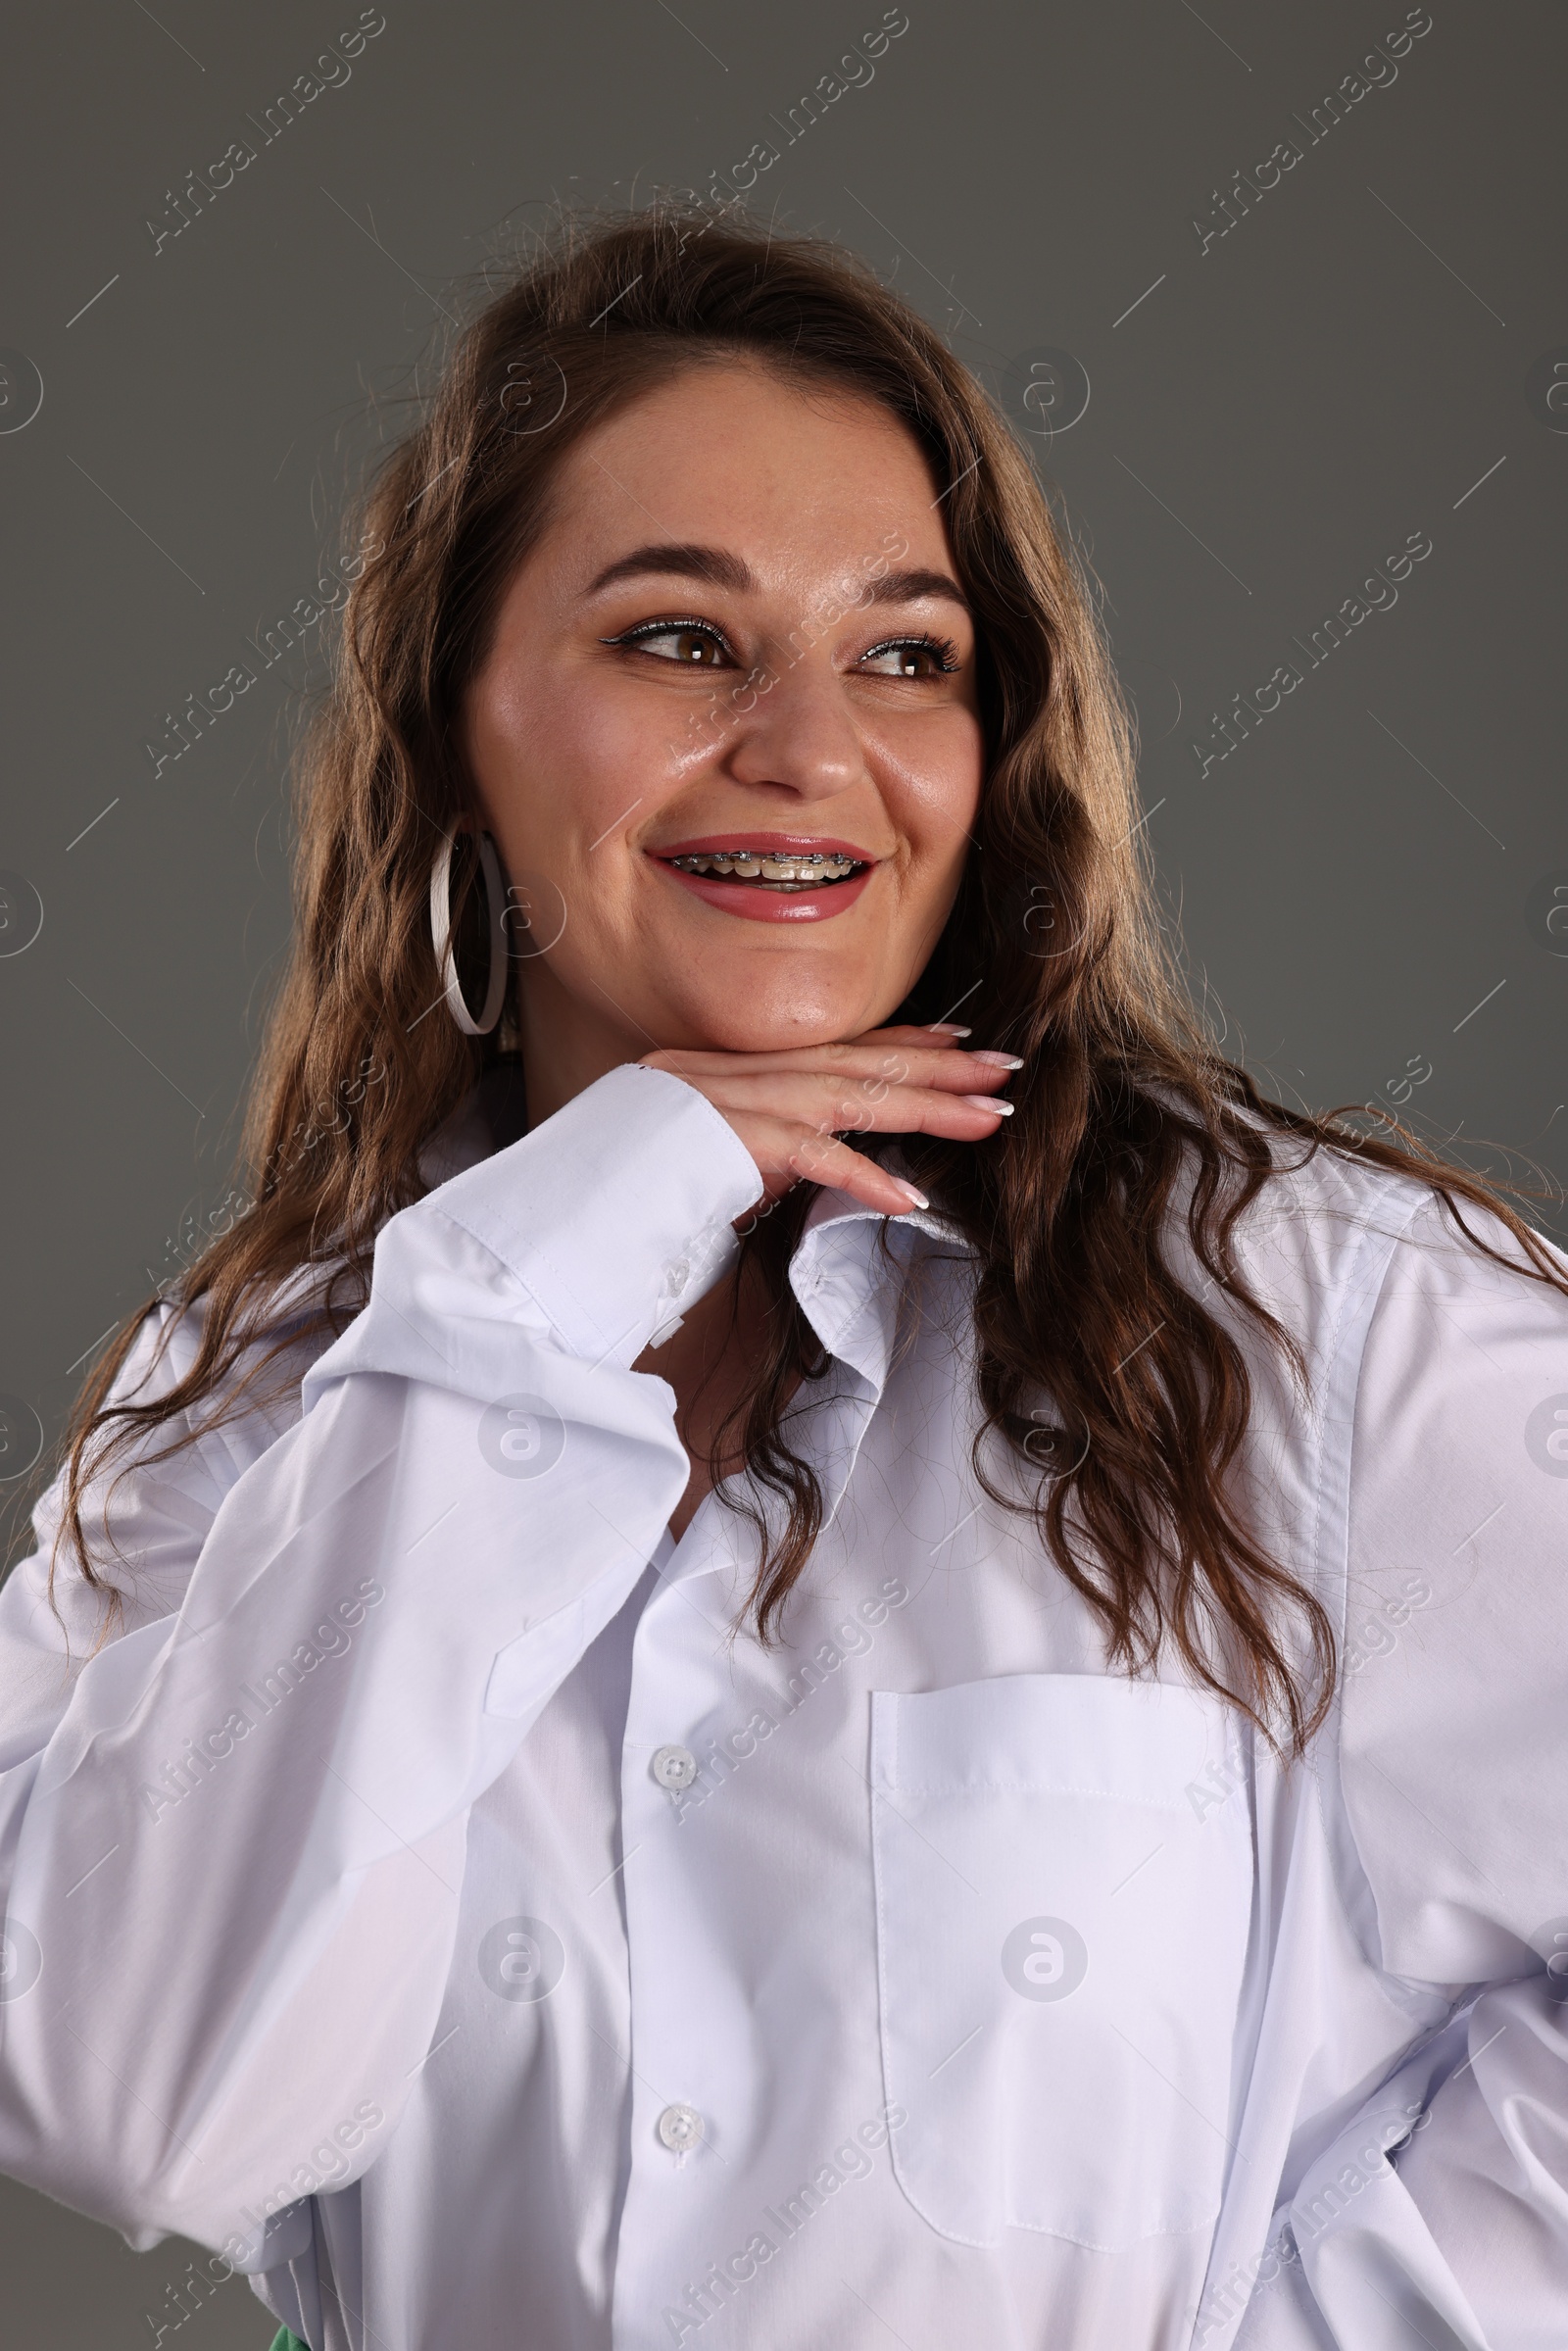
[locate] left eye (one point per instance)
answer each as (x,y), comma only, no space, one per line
(909,657)
(695,647)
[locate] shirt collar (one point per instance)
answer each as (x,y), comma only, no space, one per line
(850,1292)
(845,1286)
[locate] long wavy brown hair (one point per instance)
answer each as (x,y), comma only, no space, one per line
(1127,1112)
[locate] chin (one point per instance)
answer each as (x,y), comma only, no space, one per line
(742,1024)
(744,1033)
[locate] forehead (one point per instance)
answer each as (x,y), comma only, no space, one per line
(792,476)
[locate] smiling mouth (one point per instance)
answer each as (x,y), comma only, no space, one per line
(770,869)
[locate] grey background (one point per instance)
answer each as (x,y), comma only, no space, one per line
(1361,884)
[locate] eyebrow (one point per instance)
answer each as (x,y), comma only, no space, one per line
(721,569)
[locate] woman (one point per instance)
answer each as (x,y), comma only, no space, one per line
(636,1723)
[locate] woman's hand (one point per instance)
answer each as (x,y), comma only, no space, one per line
(788,1108)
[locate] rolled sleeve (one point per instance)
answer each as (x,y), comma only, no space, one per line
(615,1216)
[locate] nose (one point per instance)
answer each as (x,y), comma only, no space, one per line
(795,734)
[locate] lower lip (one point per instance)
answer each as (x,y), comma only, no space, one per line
(771,906)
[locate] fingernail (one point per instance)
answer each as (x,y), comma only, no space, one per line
(989,1102)
(947,1028)
(999,1060)
(916,1199)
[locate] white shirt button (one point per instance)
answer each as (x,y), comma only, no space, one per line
(680,2128)
(674,1767)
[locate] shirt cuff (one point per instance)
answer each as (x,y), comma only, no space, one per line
(617,1214)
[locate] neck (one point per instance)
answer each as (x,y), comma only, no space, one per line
(567,1044)
(712,1363)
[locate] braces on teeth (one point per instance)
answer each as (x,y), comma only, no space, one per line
(749,865)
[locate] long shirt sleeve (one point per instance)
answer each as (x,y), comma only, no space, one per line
(232,1840)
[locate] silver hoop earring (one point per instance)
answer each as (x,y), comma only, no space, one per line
(441,933)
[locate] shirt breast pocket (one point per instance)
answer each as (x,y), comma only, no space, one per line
(1064,1876)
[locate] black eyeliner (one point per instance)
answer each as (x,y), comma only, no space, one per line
(943,649)
(671,628)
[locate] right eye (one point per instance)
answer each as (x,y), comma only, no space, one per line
(694,643)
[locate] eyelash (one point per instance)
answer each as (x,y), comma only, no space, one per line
(941,650)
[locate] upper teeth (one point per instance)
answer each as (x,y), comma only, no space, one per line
(757,865)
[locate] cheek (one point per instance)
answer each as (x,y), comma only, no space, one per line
(933,774)
(558,765)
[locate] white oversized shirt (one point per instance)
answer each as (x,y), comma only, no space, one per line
(431,1901)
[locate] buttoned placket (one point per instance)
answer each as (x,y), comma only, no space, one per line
(692,2107)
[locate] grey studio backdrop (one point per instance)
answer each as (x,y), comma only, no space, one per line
(1276,293)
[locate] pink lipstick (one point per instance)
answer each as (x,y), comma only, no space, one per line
(770,876)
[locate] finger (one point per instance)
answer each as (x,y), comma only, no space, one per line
(827,1105)
(787,1155)
(927,1110)
(908,1032)
(822,1159)
(918,1062)
(935,1059)
(876,1065)
(947,1032)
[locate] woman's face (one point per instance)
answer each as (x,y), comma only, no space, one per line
(741,630)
